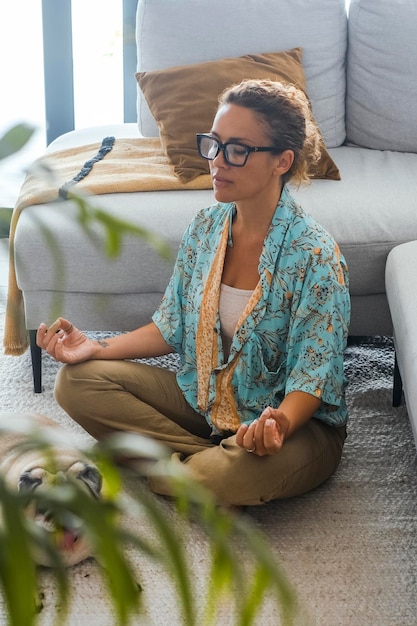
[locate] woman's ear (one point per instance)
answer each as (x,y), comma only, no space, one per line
(284,161)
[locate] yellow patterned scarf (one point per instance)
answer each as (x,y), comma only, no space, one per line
(224,413)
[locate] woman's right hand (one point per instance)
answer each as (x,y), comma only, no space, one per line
(65,343)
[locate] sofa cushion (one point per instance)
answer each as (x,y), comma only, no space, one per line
(184,99)
(194,31)
(365,212)
(381,106)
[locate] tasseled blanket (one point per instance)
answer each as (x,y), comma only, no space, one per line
(115,166)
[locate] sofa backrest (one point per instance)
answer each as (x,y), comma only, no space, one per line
(181,32)
(381,103)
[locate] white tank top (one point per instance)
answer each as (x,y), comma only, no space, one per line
(231,306)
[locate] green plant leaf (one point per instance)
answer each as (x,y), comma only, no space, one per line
(115,229)
(230,536)
(230,578)
(244,581)
(172,554)
(101,525)
(5,217)
(17,568)
(14,139)
(107,543)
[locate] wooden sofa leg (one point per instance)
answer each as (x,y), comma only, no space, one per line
(36,354)
(398,385)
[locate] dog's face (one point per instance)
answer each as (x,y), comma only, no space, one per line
(66,531)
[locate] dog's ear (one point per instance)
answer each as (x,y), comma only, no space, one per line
(91,476)
(28,482)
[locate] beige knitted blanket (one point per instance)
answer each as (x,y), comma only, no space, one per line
(131,165)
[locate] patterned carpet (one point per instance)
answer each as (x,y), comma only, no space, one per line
(349,547)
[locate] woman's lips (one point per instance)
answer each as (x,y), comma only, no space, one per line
(219,181)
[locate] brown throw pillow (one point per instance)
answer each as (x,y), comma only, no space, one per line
(184,100)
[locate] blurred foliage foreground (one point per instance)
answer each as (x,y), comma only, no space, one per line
(10,143)
(241,568)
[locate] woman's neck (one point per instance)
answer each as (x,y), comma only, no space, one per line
(254,217)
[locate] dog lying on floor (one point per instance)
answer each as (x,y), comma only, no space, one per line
(28,468)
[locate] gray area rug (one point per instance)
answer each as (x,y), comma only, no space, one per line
(349,547)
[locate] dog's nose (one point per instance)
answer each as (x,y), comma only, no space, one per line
(59,478)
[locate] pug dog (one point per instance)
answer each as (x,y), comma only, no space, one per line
(29,468)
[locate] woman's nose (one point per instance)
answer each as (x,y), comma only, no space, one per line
(219,159)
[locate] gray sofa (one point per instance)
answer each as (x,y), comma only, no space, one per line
(401,286)
(361,80)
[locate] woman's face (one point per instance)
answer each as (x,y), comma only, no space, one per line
(261,175)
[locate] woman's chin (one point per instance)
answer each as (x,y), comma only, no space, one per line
(221,195)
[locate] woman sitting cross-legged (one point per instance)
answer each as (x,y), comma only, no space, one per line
(257,309)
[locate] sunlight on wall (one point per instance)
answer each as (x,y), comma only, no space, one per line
(21,86)
(98,62)
(22,62)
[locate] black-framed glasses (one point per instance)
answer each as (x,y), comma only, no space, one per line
(234,153)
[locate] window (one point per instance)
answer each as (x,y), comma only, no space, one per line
(22,86)
(98,75)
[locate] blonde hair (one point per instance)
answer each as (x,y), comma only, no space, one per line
(286,112)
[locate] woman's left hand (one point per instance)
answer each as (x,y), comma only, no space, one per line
(265,435)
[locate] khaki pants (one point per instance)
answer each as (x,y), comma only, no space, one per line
(108,396)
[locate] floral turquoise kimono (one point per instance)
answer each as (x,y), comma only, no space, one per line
(291,335)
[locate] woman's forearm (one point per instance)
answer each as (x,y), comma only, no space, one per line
(298,407)
(141,343)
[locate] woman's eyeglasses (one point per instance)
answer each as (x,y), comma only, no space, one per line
(234,153)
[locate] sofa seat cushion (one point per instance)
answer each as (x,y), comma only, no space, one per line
(78,280)
(368,212)
(81,264)
(365,212)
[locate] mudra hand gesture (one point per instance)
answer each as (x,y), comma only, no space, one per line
(265,435)
(64,342)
